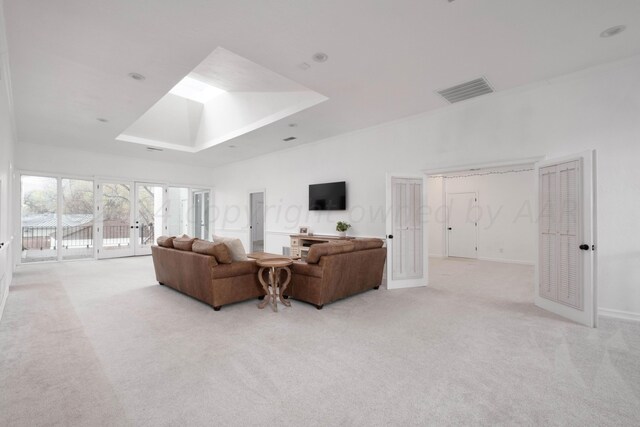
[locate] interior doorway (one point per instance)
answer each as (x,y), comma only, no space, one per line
(534,221)
(201,204)
(462,225)
(256,221)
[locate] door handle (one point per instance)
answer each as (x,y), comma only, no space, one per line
(132,226)
(390,236)
(584,247)
(449,228)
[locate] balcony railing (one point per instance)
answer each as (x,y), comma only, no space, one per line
(45,238)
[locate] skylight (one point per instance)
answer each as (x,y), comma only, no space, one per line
(195,90)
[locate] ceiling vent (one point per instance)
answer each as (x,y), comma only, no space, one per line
(466,90)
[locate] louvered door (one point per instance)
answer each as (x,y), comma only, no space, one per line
(406,264)
(566,260)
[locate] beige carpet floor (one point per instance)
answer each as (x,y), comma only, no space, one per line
(100,343)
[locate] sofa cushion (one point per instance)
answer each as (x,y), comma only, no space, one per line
(165,241)
(306,269)
(235,247)
(331,248)
(216,249)
(363,244)
(183,243)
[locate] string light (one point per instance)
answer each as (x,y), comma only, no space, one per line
(482,173)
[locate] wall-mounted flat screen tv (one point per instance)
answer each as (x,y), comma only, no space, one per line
(331,196)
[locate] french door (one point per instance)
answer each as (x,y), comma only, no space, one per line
(565,277)
(115,212)
(130,217)
(406,241)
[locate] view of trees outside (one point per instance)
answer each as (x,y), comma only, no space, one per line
(40,206)
(39,195)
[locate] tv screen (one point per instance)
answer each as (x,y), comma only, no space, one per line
(331,196)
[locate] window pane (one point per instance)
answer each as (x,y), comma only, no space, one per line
(39,197)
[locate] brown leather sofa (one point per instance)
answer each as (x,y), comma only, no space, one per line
(202,277)
(336,270)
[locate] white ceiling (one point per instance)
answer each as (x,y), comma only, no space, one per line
(70,59)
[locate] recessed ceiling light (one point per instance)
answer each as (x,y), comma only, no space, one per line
(613,31)
(196,90)
(320,57)
(137,76)
(102,119)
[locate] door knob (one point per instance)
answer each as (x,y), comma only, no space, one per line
(449,228)
(584,247)
(390,236)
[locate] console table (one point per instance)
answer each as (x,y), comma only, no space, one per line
(300,243)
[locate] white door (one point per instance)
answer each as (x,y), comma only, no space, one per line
(462,225)
(406,240)
(148,216)
(565,279)
(256,206)
(115,219)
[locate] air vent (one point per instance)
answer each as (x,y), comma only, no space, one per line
(466,90)
(291,138)
(154,149)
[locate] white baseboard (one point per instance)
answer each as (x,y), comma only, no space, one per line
(508,261)
(619,314)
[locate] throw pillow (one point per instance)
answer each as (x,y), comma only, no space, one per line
(217,249)
(183,243)
(235,247)
(165,241)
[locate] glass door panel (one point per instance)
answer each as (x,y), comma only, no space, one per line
(148,224)
(77,219)
(201,214)
(39,218)
(117,226)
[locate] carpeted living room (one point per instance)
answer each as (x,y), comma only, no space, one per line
(319,213)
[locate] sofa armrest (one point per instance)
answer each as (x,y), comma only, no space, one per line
(236,268)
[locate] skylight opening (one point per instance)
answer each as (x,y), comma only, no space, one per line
(196,90)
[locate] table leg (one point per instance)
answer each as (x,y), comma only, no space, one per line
(274,289)
(265,286)
(283,287)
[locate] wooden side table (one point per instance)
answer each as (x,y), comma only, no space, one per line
(274,292)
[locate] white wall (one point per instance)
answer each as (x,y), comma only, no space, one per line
(506,228)
(7,142)
(594,109)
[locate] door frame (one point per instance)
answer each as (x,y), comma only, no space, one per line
(446,224)
(264,217)
(410,283)
(588,222)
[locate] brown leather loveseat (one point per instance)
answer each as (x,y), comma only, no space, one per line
(336,270)
(205,271)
